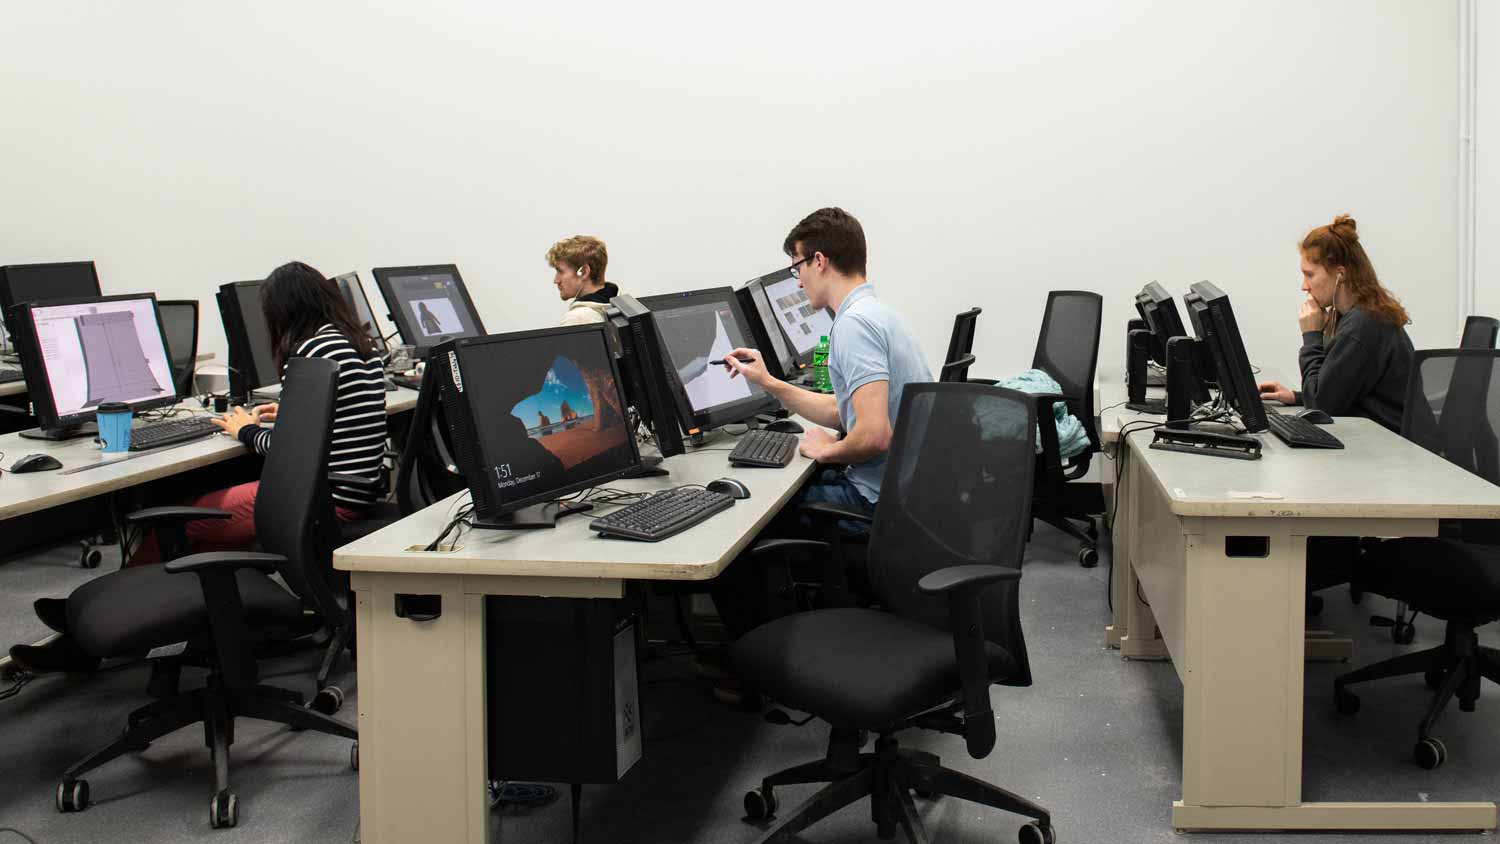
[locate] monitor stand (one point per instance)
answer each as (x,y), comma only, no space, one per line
(649,467)
(537,516)
(70,432)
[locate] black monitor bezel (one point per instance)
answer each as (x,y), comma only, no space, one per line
(1236,378)
(377,337)
(34,364)
(782,363)
(397,315)
(245,376)
(646,374)
(694,422)
(9,302)
(453,349)
(799,361)
(1161,315)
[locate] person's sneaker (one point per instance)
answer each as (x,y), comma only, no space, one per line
(53,612)
(60,654)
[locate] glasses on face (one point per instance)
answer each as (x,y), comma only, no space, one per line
(796,269)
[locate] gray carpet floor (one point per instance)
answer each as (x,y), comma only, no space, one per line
(1097,740)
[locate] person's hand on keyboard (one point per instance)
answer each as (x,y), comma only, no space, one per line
(815,443)
(265,412)
(234,420)
(1275,391)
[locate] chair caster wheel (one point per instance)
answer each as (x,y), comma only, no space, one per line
(760,804)
(1403,634)
(1430,753)
(354,757)
(329,699)
(1038,833)
(1088,557)
(1434,678)
(72,796)
(224,810)
(90,558)
(1346,702)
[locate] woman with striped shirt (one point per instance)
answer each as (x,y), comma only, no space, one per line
(308,317)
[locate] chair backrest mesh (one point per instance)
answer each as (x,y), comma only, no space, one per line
(1068,350)
(957,491)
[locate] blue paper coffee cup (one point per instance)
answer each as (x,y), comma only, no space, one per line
(114,425)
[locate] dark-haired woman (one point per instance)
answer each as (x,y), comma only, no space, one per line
(308,317)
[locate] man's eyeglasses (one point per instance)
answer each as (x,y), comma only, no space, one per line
(796,269)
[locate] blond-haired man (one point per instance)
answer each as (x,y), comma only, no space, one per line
(578,264)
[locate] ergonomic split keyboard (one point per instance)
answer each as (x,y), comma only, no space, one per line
(764,449)
(171,432)
(662,515)
(1300,433)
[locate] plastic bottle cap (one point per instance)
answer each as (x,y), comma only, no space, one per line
(823,339)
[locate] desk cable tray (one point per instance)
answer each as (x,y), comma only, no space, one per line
(1207,442)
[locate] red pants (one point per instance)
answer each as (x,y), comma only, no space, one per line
(232,534)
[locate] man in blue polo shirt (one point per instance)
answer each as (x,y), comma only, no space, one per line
(872,356)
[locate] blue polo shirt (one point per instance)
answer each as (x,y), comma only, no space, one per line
(870,342)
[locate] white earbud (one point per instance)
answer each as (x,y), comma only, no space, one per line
(579,272)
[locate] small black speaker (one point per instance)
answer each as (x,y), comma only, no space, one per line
(1137,352)
(1182,377)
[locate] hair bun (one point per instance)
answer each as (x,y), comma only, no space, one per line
(1344,226)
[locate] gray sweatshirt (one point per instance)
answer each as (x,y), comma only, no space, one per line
(1361,372)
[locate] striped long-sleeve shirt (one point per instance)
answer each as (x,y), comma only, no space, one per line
(358,419)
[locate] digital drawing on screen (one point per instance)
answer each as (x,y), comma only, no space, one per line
(697,336)
(114,362)
(436,317)
(575,416)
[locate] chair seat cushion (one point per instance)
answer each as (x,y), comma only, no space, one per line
(383,514)
(143,607)
(1441,577)
(856,667)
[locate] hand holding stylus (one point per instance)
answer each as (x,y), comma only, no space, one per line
(747,362)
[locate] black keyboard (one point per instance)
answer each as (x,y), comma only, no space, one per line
(663,514)
(765,449)
(9,375)
(1300,433)
(410,382)
(171,432)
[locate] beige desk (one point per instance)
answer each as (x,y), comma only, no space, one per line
(428,784)
(1243,695)
(28,493)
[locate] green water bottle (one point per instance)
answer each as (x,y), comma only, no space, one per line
(820,366)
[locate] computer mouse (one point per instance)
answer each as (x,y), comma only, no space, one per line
(729,487)
(1315,416)
(784,426)
(36,463)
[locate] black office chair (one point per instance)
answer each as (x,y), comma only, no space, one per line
(946,545)
(1479,332)
(225,614)
(1452,409)
(179,321)
(427,471)
(960,347)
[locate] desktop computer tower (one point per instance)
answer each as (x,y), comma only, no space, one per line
(561,685)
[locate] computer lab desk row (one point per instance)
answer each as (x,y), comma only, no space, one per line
(1218,548)
(422,680)
(29,493)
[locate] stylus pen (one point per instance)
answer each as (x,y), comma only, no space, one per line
(721,362)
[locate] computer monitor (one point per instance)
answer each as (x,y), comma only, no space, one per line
(1157,307)
(252,359)
(535,415)
(42,282)
(781,358)
(1236,380)
(694,329)
(354,293)
(428,305)
(80,353)
(643,373)
(801,323)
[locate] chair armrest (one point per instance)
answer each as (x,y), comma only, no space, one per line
(783,546)
(214,562)
(824,510)
(352,480)
(959,579)
(174,514)
(987,381)
(962,585)
(13,410)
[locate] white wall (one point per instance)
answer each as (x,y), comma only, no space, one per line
(1487,164)
(992,151)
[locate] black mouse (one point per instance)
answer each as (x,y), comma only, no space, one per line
(784,426)
(729,487)
(35,463)
(1315,416)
